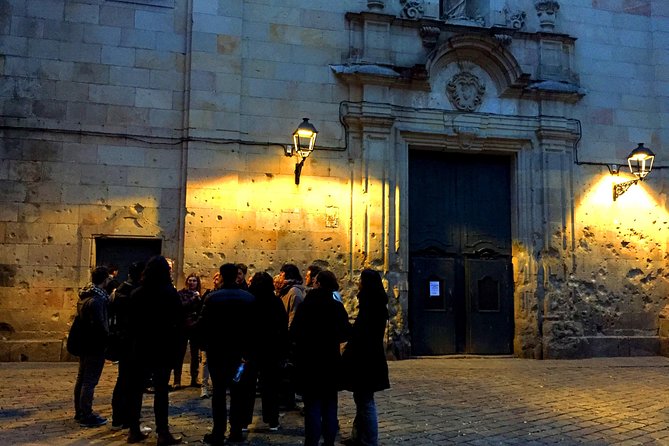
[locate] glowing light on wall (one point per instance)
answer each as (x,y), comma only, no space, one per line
(637,209)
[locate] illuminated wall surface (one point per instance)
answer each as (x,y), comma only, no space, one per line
(166,120)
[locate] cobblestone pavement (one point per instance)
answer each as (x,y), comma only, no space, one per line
(436,401)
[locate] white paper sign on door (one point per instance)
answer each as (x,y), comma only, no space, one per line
(435,288)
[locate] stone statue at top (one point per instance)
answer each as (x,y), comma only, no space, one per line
(457,9)
(464,12)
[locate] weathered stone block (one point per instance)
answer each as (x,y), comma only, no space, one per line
(35,350)
(609,346)
(118,56)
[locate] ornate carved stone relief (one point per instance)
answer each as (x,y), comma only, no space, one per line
(515,19)
(413,9)
(429,35)
(504,39)
(375,5)
(546,11)
(465,91)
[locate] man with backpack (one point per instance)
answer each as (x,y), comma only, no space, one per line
(94,323)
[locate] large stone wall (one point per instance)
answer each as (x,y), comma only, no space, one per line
(167,119)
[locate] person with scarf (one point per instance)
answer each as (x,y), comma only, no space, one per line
(92,312)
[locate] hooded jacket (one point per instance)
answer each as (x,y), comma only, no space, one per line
(92,311)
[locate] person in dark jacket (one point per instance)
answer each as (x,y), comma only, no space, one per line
(319,327)
(92,312)
(226,329)
(272,333)
(155,318)
(365,368)
(191,304)
(289,288)
(120,315)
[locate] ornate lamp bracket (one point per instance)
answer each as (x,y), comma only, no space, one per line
(621,188)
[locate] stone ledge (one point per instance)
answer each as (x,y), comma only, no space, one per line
(43,350)
(611,346)
(578,347)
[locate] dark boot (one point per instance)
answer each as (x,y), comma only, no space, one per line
(166,439)
(136,436)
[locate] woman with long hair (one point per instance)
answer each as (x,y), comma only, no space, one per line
(364,358)
(191,304)
(155,319)
(272,347)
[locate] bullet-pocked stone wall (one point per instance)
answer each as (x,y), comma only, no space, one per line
(168,119)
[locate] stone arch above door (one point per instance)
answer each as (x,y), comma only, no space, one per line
(480,51)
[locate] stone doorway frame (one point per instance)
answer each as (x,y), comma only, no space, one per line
(542,198)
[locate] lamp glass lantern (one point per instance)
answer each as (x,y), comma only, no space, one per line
(640,161)
(304,138)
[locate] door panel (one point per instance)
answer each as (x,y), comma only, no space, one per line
(432,284)
(485,200)
(122,252)
(460,233)
(490,325)
(428,209)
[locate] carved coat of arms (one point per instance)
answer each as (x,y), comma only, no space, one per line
(465,91)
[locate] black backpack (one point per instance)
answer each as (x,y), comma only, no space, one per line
(76,340)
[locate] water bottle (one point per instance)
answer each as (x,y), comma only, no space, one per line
(238,374)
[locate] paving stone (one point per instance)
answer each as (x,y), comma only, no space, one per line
(613,401)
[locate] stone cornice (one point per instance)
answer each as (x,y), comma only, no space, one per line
(451,28)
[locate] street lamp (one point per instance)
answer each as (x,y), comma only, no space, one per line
(304,138)
(640,162)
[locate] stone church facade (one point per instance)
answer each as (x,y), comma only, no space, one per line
(464,151)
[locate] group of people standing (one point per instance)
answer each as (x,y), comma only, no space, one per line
(250,333)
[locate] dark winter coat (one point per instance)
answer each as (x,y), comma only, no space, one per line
(191,304)
(119,346)
(92,311)
(272,328)
(120,310)
(364,358)
(319,327)
(225,327)
(156,318)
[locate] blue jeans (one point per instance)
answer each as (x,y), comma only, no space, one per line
(320,418)
(90,370)
(365,425)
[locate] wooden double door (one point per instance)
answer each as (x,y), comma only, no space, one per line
(461,288)
(122,252)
